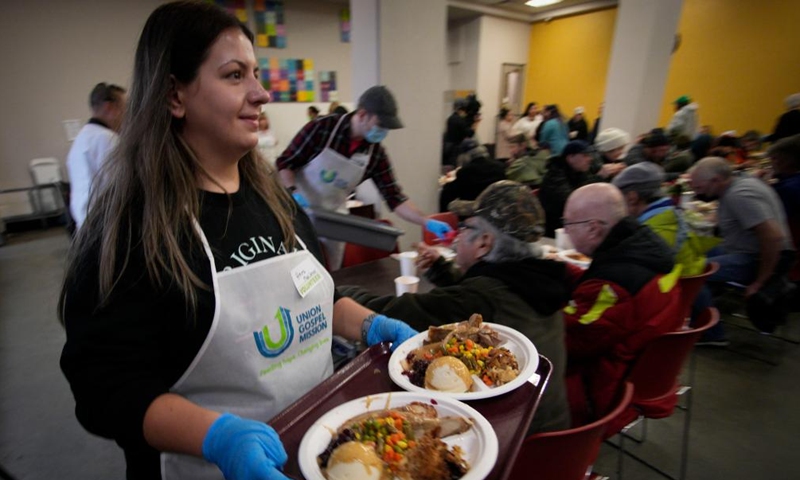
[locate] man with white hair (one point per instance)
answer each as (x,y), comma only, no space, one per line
(756,249)
(628,296)
(499,274)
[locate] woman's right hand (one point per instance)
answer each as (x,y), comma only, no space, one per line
(427,256)
(244,449)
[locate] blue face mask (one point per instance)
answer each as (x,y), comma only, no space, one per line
(376,134)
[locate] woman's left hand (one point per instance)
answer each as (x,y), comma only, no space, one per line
(385,329)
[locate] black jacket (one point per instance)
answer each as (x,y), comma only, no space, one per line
(788,125)
(559,182)
(471,180)
(526,295)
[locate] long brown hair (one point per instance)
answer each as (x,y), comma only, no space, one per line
(150,197)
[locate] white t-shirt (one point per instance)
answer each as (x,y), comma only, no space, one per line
(527,126)
(88,152)
(266,145)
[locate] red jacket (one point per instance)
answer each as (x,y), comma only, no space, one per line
(628,296)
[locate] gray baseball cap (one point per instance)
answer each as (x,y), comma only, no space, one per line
(379,101)
(644,174)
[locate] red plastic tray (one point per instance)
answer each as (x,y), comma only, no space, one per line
(368,374)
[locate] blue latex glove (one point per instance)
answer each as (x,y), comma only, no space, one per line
(244,449)
(385,329)
(440,229)
(300,199)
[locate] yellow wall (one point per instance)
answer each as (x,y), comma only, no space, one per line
(738,59)
(569,60)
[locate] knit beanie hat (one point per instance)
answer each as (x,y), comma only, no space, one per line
(611,138)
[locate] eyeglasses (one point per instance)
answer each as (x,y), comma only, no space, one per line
(567,224)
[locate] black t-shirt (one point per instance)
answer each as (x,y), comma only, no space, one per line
(118,358)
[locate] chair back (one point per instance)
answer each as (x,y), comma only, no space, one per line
(691,286)
(566,454)
(357,254)
(656,370)
(449,218)
(45,170)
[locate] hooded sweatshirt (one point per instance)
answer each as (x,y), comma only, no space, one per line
(526,295)
(627,297)
(684,121)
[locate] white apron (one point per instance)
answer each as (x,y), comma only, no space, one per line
(267,347)
(326,182)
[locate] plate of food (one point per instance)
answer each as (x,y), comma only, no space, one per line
(399,436)
(469,360)
(575,257)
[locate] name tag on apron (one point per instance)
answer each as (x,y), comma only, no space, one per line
(306,276)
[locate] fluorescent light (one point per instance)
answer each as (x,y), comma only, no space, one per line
(541,3)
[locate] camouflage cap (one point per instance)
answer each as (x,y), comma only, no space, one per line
(509,206)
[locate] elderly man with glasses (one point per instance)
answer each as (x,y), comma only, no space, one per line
(628,296)
(499,274)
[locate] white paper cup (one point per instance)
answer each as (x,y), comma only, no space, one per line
(408,266)
(406,284)
(562,240)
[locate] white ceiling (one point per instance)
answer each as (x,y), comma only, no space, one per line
(464,9)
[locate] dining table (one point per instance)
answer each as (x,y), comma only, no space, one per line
(510,414)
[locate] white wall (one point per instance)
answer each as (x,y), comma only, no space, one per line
(53,53)
(463,42)
(640,58)
(501,41)
(413,66)
(312,28)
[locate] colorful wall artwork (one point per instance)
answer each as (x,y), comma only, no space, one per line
(236,7)
(288,79)
(344,25)
(270,24)
(327,86)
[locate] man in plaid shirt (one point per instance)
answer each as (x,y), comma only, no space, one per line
(331,155)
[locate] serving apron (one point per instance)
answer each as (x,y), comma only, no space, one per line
(326,182)
(267,345)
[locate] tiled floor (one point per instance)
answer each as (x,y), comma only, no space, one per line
(745,421)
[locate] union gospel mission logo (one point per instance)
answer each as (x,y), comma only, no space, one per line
(309,323)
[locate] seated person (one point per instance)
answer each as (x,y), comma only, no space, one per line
(478,171)
(628,296)
(499,275)
(526,166)
(681,159)
(756,249)
(610,145)
(641,187)
(785,158)
(565,173)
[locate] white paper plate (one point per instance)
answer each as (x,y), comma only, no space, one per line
(479,444)
(564,255)
(517,343)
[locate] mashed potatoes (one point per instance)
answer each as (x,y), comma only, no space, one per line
(354,461)
(448,374)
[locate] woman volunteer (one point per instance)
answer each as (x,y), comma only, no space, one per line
(193,315)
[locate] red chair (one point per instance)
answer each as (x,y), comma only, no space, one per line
(357,254)
(449,218)
(567,454)
(691,286)
(656,385)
